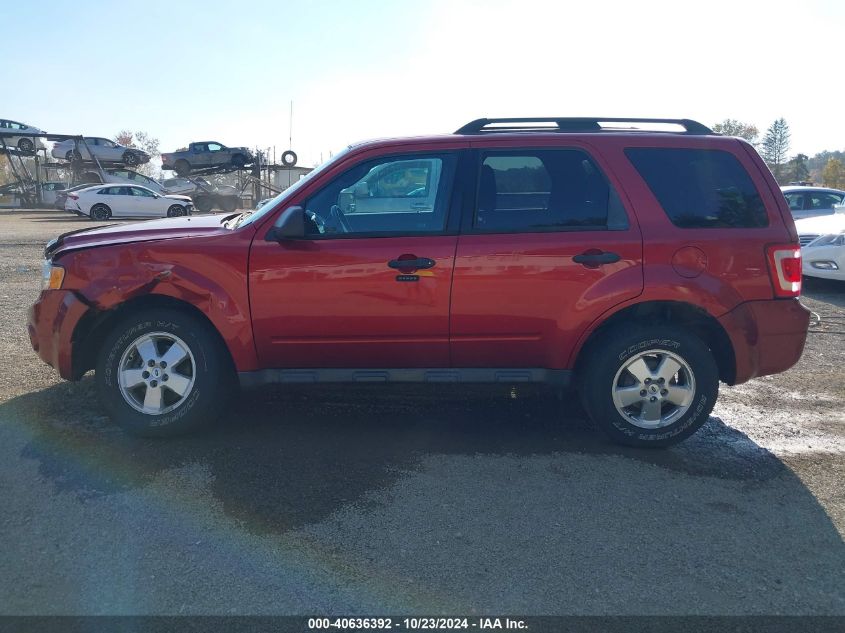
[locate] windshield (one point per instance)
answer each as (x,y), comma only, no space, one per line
(271,204)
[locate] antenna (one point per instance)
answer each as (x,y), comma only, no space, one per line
(290,127)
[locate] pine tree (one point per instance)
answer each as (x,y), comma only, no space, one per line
(775,146)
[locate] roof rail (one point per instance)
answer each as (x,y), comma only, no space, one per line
(572,124)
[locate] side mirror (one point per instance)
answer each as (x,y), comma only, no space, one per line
(362,190)
(289,226)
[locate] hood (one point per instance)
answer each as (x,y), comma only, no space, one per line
(821,225)
(174,196)
(112,234)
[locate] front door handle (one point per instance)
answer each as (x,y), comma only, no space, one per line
(594,258)
(411,263)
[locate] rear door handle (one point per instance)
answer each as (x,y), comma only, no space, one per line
(594,257)
(412,264)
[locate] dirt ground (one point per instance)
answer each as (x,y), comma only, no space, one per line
(416,499)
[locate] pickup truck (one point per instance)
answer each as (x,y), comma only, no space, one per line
(204,155)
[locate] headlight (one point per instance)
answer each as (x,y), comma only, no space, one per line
(834,239)
(52,276)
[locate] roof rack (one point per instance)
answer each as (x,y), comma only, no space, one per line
(572,124)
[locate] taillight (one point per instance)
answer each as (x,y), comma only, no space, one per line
(785,269)
(73,196)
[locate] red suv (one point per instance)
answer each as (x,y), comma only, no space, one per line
(640,260)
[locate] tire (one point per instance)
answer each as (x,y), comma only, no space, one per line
(182,167)
(204,204)
(100,212)
(176,211)
(609,382)
(130,159)
(204,373)
(239,160)
(26,146)
(229,203)
(289,158)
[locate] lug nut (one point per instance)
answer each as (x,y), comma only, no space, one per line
(164,378)
(648,381)
(642,393)
(162,364)
(151,363)
(663,392)
(154,383)
(653,398)
(662,380)
(145,374)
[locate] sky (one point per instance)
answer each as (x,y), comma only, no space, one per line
(227,71)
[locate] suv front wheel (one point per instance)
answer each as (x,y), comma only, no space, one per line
(162,372)
(650,385)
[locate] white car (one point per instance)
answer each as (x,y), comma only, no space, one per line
(20,140)
(103,149)
(134,178)
(823,245)
(808,202)
(101,202)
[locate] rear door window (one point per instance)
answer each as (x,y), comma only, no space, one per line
(544,190)
(823,200)
(700,188)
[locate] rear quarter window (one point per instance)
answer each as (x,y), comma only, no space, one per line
(700,188)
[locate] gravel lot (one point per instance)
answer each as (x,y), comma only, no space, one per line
(415,499)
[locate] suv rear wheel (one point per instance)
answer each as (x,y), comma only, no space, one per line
(650,385)
(162,373)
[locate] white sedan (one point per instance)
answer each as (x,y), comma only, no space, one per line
(823,246)
(101,202)
(103,149)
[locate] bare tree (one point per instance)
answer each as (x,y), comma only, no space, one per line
(145,142)
(732,127)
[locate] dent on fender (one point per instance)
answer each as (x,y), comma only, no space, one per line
(111,279)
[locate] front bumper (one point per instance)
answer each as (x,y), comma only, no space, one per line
(52,321)
(768,336)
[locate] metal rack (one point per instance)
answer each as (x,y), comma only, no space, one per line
(575,124)
(28,182)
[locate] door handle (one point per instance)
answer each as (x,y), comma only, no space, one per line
(594,258)
(411,264)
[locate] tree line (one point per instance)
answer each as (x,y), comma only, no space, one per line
(827,168)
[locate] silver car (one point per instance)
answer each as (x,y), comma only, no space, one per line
(105,150)
(24,143)
(810,202)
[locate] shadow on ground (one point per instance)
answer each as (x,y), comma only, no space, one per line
(486,498)
(293,456)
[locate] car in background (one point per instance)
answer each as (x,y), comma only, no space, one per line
(808,202)
(61,196)
(134,178)
(26,144)
(207,196)
(822,242)
(50,192)
(824,257)
(188,186)
(102,202)
(205,154)
(105,150)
